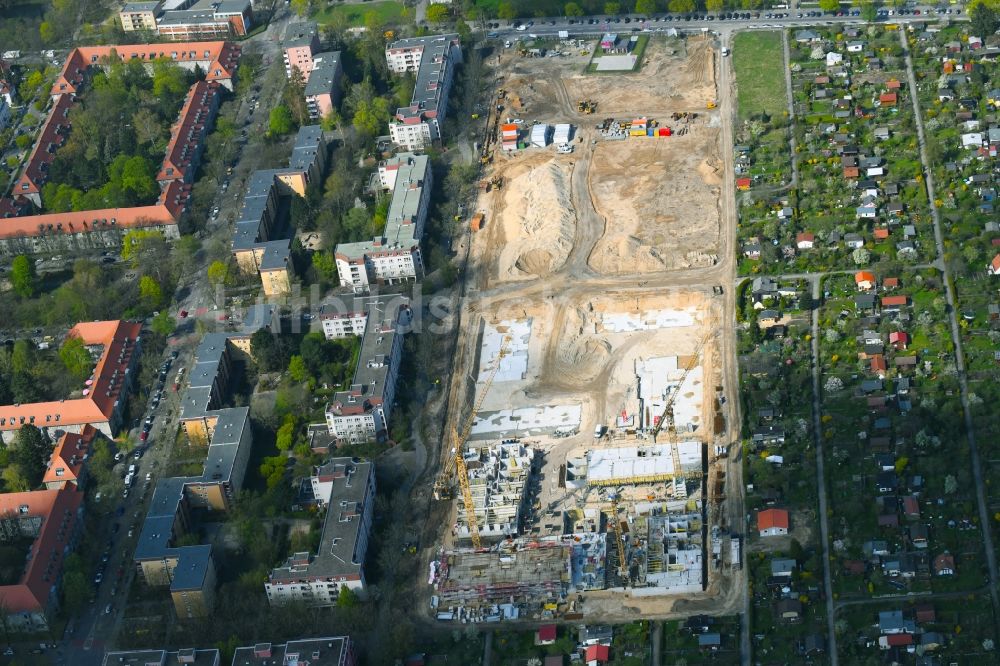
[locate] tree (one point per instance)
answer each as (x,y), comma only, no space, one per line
(218,274)
(713,5)
(573,9)
(861,256)
(325,266)
(437,13)
(371,117)
(76,590)
(280,121)
(297,369)
(681,6)
(829,6)
(76,358)
(644,7)
(23,276)
(346,598)
(950,484)
(506,11)
(163,324)
(286,433)
(984,20)
(868,11)
(612,7)
(150,292)
(31,452)
(302,8)
(265,351)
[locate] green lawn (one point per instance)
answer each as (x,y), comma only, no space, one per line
(354,15)
(760,73)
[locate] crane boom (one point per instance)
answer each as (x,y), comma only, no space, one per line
(620,540)
(668,409)
(442,487)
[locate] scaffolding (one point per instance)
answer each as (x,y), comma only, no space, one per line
(498,477)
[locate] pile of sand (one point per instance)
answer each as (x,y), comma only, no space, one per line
(537,222)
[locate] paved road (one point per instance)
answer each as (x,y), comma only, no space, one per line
(985,519)
(791,108)
(821,474)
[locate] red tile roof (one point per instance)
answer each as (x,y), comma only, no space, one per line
(68,457)
(888,99)
(772,518)
(851,172)
(899,337)
(995,264)
(547,632)
(597,652)
(59,511)
(878,363)
(864,276)
(881,234)
(52,135)
(188,133)
(98,406)
(895,300)
(890,282)
(899,640)
(167,211)
(217,59)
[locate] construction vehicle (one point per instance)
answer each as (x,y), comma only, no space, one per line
(389,35)
(587,106)
(710,104)
(456,464)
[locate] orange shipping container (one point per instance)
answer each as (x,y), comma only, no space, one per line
(477,222)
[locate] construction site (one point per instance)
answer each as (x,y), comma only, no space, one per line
(590,433)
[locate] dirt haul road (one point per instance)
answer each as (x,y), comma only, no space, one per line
(566,229)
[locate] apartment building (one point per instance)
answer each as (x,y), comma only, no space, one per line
(187,136)
(137,16)
(394,257)
(4,109)
(300,46)
(119,345)
(433,59)
(51,137)
(50,521)
(184,20)
(498,476)
(347,491)
(323,89)
(253,248)
(348,317)
(67,466)
(188,572)
(362,412)
(331,651)
(184,657)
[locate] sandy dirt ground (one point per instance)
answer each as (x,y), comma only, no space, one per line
(674,77)
(659,199)
(536,220)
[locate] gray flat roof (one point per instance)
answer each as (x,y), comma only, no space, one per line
(340,527)
(231,6)
(308,142)
(187,657)
(131,7)
(188,17)
(225,444)
(434,63)
(317,651)
(374,366)
(400,232)
(276,255)
(325,68)
(192,566)
(299,34)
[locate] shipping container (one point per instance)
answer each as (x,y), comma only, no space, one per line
(477,222)
(665,131)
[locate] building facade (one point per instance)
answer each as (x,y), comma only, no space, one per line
(323,89)
(433,59)
(300,45)
(347,491)
(394,257)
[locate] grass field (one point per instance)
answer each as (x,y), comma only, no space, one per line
(760,73)
(389,12)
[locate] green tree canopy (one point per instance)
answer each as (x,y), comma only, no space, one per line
(573,9)
(681,6)
(218,274)
(646,6)
(76,358)
(505,10)
(297,369)
(280,121)
(23,276)
(31,452)
(613,7)
(984,19)
(829,5)
(437,13)
(150,292)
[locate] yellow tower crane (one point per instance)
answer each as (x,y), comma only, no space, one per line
(623,572)
(668,409)
(443,485)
